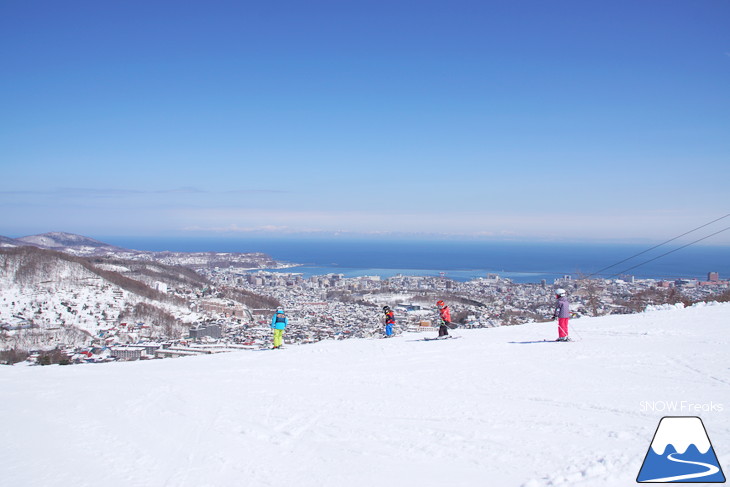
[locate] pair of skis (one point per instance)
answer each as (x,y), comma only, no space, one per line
(445,337)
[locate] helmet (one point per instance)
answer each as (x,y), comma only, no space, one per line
(560,292)
(386,308)
(440,303)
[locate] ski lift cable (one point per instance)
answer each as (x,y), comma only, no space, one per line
(659,245)
(670,252)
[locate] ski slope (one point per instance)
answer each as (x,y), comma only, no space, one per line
(498,407)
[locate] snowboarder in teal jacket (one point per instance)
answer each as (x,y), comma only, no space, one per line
(278,324)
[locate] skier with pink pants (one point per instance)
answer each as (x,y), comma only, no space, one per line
(562,313)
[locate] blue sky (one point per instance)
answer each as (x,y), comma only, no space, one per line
(535,120)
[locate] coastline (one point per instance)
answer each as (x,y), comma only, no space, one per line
(307,271)
(460,260)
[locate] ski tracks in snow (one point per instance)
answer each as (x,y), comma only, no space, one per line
(589,472)
(476,411)
(712,374)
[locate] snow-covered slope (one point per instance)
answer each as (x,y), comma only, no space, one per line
(497,407)
(79,245)
(6,242)
(53,290)
(63,240)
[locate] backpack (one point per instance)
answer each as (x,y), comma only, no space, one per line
(280,318)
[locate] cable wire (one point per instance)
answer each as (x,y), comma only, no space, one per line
(670,252)
(657,246)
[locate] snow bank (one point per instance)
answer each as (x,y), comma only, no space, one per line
(663,307)
(496,407)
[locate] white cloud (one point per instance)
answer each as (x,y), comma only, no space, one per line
(563,226)
(233,228)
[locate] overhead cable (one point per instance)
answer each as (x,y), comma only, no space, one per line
(659,245)
(670,252)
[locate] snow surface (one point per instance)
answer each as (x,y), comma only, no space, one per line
(498,407)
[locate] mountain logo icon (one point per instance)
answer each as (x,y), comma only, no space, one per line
(681,452)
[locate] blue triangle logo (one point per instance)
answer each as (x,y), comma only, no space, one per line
(681,452)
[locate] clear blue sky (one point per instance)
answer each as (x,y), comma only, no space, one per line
(566,120)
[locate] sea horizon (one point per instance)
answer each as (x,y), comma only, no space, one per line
(460,260)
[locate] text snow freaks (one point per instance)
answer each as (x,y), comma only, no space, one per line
(680,407)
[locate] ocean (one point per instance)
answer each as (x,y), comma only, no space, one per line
(459,260)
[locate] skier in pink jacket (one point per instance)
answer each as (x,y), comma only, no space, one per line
(445,315)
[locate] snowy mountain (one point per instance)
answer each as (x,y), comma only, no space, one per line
(88,247)
(62,240)
(497,407)
(67,298)
(6,242)
(68,288)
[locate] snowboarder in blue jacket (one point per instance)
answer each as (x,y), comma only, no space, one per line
(278,324)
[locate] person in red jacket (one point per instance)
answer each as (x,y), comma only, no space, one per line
(445,316)
(389,321)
